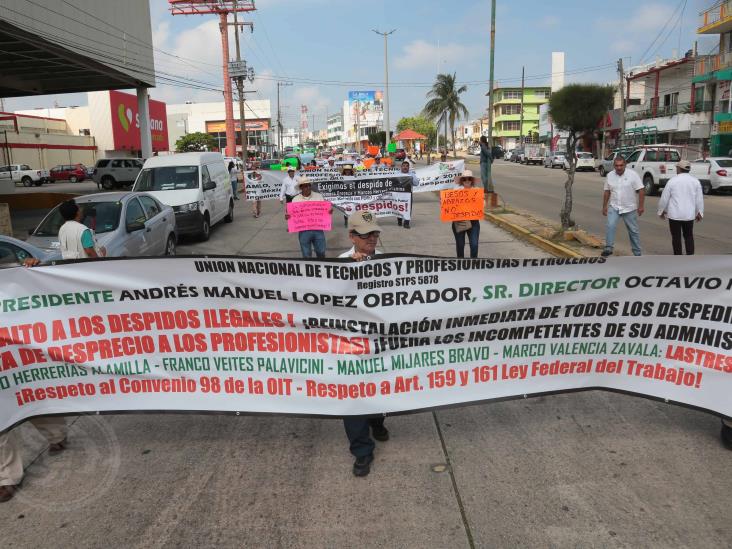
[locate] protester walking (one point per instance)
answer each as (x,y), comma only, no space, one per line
(405,169)
(287,192)
(257,202)
(682,202)
(364,232)
(471,228)
(234,178)
(623,198)
(309,240)
(486,164)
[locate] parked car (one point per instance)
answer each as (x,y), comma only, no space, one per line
(400,155)
(518,155)
(196,185)
(532,154)
(127,224)
(508,155)
(496,152)
(23,173)
(556,160)
(14,252)
(719,170)
(606,165)
(112,173)
(68,172)
(584,162)
(656,164)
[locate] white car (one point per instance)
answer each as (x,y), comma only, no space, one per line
(554,160)
(585,162)
(23,173)
(719,169)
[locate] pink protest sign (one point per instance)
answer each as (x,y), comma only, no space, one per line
(309,216)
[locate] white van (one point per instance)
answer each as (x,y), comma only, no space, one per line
(195,184)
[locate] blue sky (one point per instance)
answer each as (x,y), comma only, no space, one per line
(313,41)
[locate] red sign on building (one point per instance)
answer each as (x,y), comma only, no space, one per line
(126,122)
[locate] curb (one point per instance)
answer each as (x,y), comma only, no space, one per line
(547,245)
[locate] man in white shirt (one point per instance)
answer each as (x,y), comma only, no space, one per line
(682,201)
(314,239)
(364,233)
(288,192)
(623,199)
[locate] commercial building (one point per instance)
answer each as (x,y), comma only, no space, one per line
(670,109)
(210,118)
(506,116)
(363,114)
(108,127)
(713,74)
(335,130)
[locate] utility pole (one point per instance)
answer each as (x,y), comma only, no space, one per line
(279,115)
(387,138)
(358,124)
(490,97)
(521,122)
(240,89)
(621,74)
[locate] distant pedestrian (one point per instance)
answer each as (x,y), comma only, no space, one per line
(486,162)
(234,178)
(309,240)
(76,240)
(470,227)
(623,198)
(256,203)
(405,169)
(682,202)
(287,191)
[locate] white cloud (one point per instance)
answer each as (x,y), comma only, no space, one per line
(420,54)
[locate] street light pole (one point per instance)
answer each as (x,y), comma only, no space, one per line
(490,97)
(387,137)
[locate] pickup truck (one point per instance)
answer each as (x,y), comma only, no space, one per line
(657,164)
(22,173)
(533,154)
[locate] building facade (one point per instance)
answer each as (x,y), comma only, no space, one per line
(713,75)
(335,130)
(210,118)
(507,128)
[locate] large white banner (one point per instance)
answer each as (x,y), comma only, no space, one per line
(439,176)
(341,338)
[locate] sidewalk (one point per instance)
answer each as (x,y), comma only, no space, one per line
(588,469)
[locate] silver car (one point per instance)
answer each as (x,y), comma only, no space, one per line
(126,224)
(555,160)
(112,173)
(14,252)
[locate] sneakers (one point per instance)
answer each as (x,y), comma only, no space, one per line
(606,253)
(362,465)
(726,436)
(406,225)
(7,492)
(380,433)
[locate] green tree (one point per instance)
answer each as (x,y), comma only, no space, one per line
(577,109)
(444,103)
(196,142)
(420,124)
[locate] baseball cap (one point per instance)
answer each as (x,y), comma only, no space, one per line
(683,164)
(363,223)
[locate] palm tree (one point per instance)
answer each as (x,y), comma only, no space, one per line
(444,101)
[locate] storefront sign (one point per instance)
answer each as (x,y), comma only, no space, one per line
(126,122)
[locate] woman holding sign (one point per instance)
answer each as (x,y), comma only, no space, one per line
(471,227)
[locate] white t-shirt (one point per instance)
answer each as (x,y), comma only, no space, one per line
(288,187)
(682,198)
(352,251)
(623,190)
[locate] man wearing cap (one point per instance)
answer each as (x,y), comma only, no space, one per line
(288,192)
(682,202)
(331,164)
(364,233)
(309,240)
(405,169)
(623,198)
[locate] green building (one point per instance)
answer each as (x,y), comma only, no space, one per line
(714,74)
(506,115)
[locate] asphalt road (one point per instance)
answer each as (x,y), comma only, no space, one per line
(541,191)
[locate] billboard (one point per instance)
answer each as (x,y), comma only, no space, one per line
(126,122)
(366,105)
(252,125)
